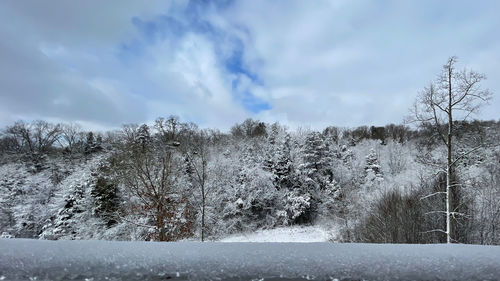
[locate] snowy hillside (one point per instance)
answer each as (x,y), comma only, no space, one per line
(260,183)
(103,260)
(33,200)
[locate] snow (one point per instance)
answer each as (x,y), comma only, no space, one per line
(296,234)
(6,235)
(22,259)
(33,198)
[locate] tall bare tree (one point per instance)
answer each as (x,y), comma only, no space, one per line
(198,160)
(455,95)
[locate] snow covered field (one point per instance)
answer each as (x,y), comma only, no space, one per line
(22,259)
(297,234)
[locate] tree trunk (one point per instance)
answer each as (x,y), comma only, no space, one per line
(448,203)
(160,223)
(203,217)
(203,199)
(449,163)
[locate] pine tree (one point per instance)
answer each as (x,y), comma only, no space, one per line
(315,173)
(283,167)
(90,143)
(106,201)
(271,150)
(143,137)
(373,172)
(316,163)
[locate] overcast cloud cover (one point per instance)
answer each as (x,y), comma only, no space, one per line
(309,63)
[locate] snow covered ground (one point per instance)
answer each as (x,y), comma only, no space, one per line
(297,234)
(22,259)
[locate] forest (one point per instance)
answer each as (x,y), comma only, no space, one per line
(171,181)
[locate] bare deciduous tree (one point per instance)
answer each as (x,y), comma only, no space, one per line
(198,160)
(71,135)
(35,137)
(169,128)
(453,96)
(152,174)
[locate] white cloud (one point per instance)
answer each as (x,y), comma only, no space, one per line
(346,63)
(318,63)
(195,85)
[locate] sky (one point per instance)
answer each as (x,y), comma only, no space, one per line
(301,63)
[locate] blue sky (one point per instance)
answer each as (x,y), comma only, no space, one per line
(301,63)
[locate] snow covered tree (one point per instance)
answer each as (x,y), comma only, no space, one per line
(373,172)
(296,205)
(277,157)
(105,195)
(197,164)
(90,143)
(143,139)
(154,176)
(316,162)
(315,172)
(283,169)
(270,150)
(62,225)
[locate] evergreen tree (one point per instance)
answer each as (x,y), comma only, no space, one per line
(283,167)
(89,143)
(315,173)
(143,137)
(105,196)
(373,171)
(316,166)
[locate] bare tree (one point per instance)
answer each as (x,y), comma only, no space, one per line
(169,128)
(46,134)
(197,169)
(152,174)
(129,132)
(21,133)
(35,137)
(71,135)
(453,96)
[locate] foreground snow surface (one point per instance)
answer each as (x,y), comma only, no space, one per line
(22,259)
(299,234)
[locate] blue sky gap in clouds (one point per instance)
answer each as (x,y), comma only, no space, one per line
(167,28)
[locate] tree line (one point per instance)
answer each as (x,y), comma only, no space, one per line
(432,183)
